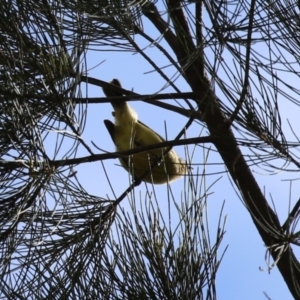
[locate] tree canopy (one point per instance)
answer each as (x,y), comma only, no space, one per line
(239,60)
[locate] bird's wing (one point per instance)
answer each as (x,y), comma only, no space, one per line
(155,133)
(146,136)
(110,126)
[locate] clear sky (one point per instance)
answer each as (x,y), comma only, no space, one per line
(243,273)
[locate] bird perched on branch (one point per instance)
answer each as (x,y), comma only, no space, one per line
(128,133)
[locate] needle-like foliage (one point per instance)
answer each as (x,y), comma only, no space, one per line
(57,240)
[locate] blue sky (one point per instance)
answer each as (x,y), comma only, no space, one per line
(243,273)
(239,276)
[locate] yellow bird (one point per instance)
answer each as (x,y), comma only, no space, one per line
(129,133)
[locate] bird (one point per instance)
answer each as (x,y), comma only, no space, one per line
(127,132)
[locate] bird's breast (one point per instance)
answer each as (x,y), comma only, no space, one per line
(124,137)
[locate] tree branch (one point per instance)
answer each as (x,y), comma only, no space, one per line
(263,216)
